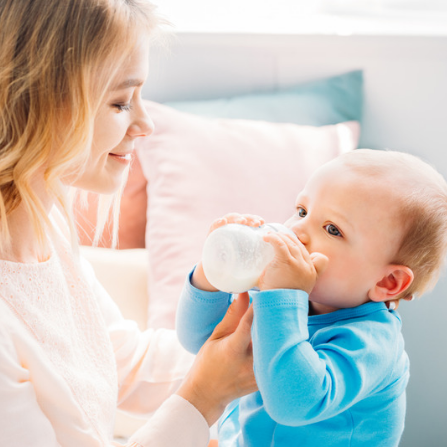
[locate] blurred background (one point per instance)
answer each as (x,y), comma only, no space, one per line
(313,16)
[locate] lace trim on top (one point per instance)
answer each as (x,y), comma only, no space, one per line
(58,306)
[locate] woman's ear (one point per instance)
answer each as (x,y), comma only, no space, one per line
(396,280)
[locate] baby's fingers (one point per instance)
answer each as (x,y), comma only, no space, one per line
(251,220)
(217,224)
(227,219)
(296,248)
(286,246)
(282,246)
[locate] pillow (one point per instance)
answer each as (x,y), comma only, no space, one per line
(317,103)
(326,101)
(201,168)
(123,273)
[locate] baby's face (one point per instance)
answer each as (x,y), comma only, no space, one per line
(352,221)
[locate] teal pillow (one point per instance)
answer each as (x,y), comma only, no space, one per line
(317,103)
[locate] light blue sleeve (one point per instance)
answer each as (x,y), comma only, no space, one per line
(198,313)
(304,381)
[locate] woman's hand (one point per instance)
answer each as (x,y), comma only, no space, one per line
(198,279)
(223,368)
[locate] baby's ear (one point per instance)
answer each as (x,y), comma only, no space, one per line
(396,280)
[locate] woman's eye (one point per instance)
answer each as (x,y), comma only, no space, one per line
(332,230)
(302,212)
(123,107)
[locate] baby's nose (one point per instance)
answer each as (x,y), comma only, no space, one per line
(301,233)
(304,238)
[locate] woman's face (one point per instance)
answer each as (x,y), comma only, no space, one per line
(121,119)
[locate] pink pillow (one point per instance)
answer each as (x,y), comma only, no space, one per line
(201,168)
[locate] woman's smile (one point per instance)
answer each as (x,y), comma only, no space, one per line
(124,159)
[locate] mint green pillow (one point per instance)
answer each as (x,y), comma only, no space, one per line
(317,103)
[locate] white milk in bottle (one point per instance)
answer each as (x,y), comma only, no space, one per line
(234,256)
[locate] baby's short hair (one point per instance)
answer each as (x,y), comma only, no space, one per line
(421,198)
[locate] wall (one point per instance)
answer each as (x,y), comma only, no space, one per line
(405,109)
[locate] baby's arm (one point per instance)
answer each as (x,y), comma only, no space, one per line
(198,313)
(304,380)
(202,306)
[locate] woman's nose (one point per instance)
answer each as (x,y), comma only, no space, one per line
(142,125)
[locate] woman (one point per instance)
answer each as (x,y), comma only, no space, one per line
(71,73)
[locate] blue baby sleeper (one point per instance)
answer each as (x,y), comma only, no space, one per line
(336,379)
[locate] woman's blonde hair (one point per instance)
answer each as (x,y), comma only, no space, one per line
(57,59)
(421,206)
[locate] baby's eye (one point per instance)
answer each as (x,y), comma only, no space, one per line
(332,230)
(302,212)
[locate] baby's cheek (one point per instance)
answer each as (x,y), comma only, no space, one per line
(321,284)
(329,280)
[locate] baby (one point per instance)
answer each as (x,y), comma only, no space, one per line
(329,355)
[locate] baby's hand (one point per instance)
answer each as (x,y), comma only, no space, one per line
(292,267)
(235,218)
(198,279)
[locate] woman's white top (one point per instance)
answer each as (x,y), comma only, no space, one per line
(68,359)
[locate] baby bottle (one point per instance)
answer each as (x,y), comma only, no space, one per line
(235,255)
